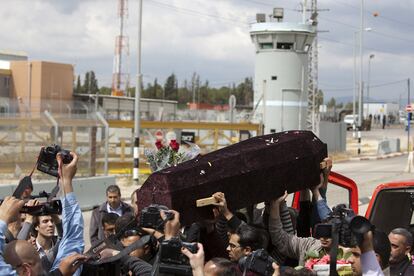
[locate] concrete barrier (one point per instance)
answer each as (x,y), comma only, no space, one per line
(90,192)
(334,135)
(388,146)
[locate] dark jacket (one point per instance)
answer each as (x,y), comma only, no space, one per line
(96,232)
(404,268)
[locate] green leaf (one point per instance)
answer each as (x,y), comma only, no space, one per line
(312,255)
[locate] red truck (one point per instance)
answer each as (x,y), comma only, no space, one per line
(391,204)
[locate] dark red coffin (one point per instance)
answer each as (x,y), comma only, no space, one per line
(252,171)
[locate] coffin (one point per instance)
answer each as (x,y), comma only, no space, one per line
(252,171)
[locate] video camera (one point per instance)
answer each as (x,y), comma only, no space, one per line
(259,262)
(151,218)
(53,207)
(350,227)
(171,260)
(47,162)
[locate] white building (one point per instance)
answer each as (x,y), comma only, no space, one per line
(281,72)
(381,108)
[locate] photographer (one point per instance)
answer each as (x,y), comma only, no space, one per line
(24,259)
(127,228)
(72,220)
(108,224)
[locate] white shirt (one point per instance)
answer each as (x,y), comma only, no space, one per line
(370,265)
(117,211)
(41,251)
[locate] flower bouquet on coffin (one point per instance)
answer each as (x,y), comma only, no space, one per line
(164,155)
(319,262)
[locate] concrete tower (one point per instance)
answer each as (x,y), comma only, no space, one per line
(281,71)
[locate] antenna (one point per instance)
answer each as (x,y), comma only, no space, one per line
(120,76)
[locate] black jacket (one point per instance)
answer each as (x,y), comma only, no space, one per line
(404,268)
(96,232)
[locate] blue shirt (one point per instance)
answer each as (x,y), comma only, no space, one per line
(5,268)
(72,241)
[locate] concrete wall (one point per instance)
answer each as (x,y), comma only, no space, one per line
(90,192)
(333,134)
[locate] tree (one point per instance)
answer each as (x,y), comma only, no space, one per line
(331,103)
(195,86)
(78,86)
(86,83)
(203,93)
(105,90)
(170,88)
(319,98)
(93,86)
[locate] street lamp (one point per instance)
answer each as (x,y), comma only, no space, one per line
(357,90)
(371,56)
(137,123)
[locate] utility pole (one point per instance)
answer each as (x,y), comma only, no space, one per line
(410,153)
(355,89)
(137,123)
(361,85)
(313,66)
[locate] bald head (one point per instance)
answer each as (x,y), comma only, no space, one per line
(219,267)
(23,257)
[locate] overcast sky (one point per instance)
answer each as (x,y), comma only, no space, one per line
(211,37)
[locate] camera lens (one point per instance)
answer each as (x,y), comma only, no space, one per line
(360,225)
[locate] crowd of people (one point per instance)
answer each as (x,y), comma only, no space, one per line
(264,239)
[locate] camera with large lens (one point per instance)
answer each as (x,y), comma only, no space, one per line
(171,260)
(47,159)
(350,227)
(53,207)
(258,262)
(151,218)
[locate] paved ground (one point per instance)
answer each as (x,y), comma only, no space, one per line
(369,174)
(370,139)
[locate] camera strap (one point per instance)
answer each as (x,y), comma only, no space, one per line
(25,182)
(134,246)
(334,251)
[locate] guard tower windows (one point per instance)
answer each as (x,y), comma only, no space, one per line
(267,45)
(284,45)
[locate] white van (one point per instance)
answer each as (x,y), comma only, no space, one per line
(349,120)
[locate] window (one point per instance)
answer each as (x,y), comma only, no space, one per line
(284,45)
(7,82)
(274,77)
(268,45)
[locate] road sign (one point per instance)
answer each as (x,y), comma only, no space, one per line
(187,136)
(409,108)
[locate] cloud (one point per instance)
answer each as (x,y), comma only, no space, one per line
(209,37)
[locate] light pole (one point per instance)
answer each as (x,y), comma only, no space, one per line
(356,85)
(371,56)
(135,172)
(361,86)
(361,78)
